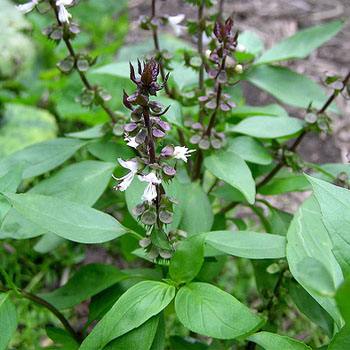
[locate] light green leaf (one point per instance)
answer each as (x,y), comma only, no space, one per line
(266,127)
(251,42)
(137,305)
(316,276)
(288,86)
(42,157)
(334,202)
(231,168)
(95,132)
(273,110)
(109,151)
(8,320)
(301,44)
(82,182)
(207,310)
(250,150)
(67,219)
(140,338)
(188,259)
(174,114)
(247,244)
(86,282)
(308,237)
(272,341)
(197,212)
(284,182)
(22,126)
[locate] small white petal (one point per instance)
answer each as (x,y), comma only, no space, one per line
(63,14)
(64,2)
(131,142)
(150,193)
(127,180)
(174,24)
(182,153)
(150,178)
(176,19)
(129,164)
(27,7)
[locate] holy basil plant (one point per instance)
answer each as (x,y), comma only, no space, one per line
(175,185)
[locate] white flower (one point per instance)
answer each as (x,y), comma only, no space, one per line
(150,192)
(174,24)
(127,179)
(63,14)
(28,6)
(131,142)
(182,153)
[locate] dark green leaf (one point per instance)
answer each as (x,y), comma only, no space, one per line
(88,281)
(95,132)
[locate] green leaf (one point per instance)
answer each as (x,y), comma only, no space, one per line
(82,182)
(109,151)
(273,110)
(179,343)
(310,308)
(11,179)
(140,338)
(272,341)
(251,42)
(62,338)
(73,221)
(284,182)
(287,86)
(197,215)
(42,157)
(250,150)
(266,127)
(315,276)
(22,126)
(188,259)
(247,244)
(301,44)
(231,168)
(334,202)
(95,132)
(307,237)
(137,305)
(8,320)
(174,114)
(88,281)
(341,340)
(207,310)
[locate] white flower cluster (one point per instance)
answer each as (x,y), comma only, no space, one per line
(150,193)
(63,14)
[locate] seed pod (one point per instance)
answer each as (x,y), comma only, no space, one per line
(166,217)
(149,217)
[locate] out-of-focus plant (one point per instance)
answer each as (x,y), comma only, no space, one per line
(161,187)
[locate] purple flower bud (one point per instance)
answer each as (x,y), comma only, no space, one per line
(168,170)
(158,133)
(224,107)
(204,144)
(141,136)
(164,125)
(197,126)
(195,139)
(211,104)
(130,127)
(167,151)
(202,98)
